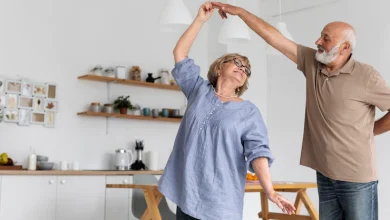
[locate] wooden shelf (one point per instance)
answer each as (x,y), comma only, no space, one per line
(128,82)
(136,117)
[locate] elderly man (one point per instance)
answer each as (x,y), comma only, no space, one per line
(341,96)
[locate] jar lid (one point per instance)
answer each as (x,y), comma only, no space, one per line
(95,103)
(121,151)
(107,104)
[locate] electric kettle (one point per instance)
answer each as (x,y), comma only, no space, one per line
(123,159)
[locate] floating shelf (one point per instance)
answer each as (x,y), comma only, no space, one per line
(136,117)
(128,82)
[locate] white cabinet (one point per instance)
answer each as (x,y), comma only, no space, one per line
(118,201)
(80,197)
(28,197)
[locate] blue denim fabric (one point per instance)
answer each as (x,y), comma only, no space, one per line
(340,200)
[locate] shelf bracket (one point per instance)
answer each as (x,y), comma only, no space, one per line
(107,125)
(109,88)
(108,99)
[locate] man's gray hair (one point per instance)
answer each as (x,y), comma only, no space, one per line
(350,36)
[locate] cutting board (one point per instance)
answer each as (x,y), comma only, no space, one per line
(16,167)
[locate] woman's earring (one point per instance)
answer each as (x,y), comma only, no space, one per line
(237,90)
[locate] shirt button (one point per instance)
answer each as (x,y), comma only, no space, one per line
(200,128)
(211,113)
(204,122)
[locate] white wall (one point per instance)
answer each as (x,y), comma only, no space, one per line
(58,41)
(286,97)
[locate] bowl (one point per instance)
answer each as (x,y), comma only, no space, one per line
(45,165)
(41,158)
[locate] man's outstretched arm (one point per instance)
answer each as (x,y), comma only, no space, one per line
(266,31)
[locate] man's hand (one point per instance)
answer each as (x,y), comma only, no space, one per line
(225,9)
(285,205)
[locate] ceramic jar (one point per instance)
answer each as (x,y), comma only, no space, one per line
(108,108)
(95,107)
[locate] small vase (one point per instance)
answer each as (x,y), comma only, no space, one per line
(123,111)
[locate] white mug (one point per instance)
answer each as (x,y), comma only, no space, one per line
(76,165)
(63,165)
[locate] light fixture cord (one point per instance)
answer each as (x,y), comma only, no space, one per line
(280,9)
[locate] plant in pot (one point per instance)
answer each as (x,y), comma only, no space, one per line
(123,103)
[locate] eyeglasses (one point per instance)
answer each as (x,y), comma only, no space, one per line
(239,64)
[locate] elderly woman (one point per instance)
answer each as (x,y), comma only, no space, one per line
(221,137)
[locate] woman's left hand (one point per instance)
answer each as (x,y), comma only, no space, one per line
(285,205)
(205,11)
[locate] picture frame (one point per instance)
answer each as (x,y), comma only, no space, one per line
(1,114)
(51,105)
(49,119)
(11,115)
(24,117)
(39,89)
(38,104)
(13,86)
(11,101)
(51,91)
(25,102)
(2,84)
(37,118)
(26,88)
(2,100)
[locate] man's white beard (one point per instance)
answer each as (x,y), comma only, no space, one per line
(329,57)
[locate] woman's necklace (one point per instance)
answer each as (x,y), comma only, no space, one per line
(227,97)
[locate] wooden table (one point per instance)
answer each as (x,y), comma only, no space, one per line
(153,198)
(294,187)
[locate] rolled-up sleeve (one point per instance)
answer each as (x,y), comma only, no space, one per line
(187,76)
(255,139)
(306,58)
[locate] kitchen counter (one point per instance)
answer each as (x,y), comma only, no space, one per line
(79,172)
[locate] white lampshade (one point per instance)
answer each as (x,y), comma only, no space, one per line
(234,30)
(175,12)
(282,28)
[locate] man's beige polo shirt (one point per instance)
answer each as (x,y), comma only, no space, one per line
(338,138)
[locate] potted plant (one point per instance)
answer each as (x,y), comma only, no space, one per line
(123,103)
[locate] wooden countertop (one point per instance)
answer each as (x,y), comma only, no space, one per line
(250,187)
(74,172)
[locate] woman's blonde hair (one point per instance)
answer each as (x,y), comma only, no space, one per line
(217,65)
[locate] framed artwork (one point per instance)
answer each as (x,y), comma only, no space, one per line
(51,91)
(37,118)
(1,114)
(38,104)
(11,101)
(24,117)
(11,115)
(2,84)
(49,119)
(2,100)
(50,105)
(39,90)
(13,86)
(26,89)
(25,102)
